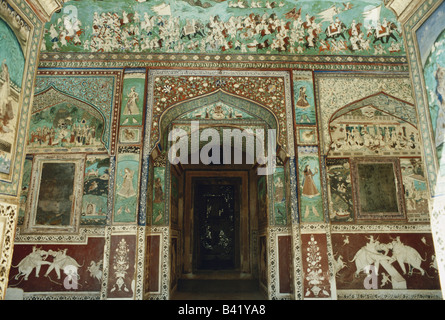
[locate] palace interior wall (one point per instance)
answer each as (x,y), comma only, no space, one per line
(93,209)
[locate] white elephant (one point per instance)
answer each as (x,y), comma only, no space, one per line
(60,262)
(33,260)
(406,254)
(369,255)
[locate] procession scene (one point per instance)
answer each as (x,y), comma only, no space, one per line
(251,27)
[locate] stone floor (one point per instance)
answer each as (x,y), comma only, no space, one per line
(226,287)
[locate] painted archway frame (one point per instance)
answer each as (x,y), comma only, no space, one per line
(265,91)
(263,94)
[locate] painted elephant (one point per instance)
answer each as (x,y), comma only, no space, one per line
(367,256)
(60,262)
(406,254)
(33,260)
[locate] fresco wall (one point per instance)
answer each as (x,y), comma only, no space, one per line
(426,59)
(348,139)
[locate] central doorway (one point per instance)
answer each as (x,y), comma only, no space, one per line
(216,215)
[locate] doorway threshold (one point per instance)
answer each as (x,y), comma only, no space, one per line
(218,275)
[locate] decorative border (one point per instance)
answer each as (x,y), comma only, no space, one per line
(9,214)
(256,61)
(425,126)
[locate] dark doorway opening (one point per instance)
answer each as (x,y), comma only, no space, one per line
(216,214)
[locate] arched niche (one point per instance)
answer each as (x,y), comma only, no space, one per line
(87,116)
(379,124)
(256,111)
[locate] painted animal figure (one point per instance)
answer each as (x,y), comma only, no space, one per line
(385,36)
(367,256)
(33,260)
(406,254)
(60,262)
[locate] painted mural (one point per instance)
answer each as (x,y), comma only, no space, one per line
(27,169)
(127,184)
(217,111)
(12,62)
(255,95)
(58,268)
(133,98)
(432,57)
(372,127)
(311,204)
(415,187)
(304,98)
(262,199)
(339,190)
(95,190)
(121,279)
(315,263)
(96,95)
(287,27)
(158,196)
(279,197)
(65,126)
(377,261)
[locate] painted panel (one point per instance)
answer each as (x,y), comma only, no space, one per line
(279,197)
(12,67)
(65,126)
(362,28)
(304,98)
(432,60)
(262,200)
(416,190)
(174,196)
(95,190)
(96,92)
(122,266)
(316,279)
(377,261)
(309,189)
(127,182)
(159,196)
(133,98)
(284,263)
(152,264)
(263,263)
(26,180)
(58,268)
(339,190)
(375,126)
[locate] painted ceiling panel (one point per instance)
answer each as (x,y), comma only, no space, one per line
(300,27)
